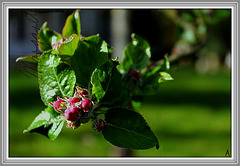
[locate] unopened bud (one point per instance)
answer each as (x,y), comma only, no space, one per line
(73,100)
(59,105)
(98,124)
(135,75)
(72,113)
(86,104)
(83,93)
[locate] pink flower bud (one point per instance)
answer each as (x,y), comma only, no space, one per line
(73,100)
(59,105)
(135,74)
(82,93)
(98,124)
(86,104)
(72,113)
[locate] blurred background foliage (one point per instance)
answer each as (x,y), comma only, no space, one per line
(191,115)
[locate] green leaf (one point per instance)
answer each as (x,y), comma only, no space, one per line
(116,94)
(166,64)
(91,53)
(110,49)
(136,104)
(30,58)
(151,83)
(128,129)
(122,100)
(55,78)
(107,85)
(67,49)
(136,54)
(48,123)
(101,77)
(47,37)
(72,25)
(164,67)
(164,76)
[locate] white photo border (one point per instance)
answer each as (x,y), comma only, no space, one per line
(5,6)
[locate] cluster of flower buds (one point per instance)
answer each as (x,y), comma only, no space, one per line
(76,109)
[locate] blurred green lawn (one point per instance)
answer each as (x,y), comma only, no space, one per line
(191,117)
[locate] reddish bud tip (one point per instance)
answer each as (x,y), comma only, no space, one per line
(59,99)
(83,93)
(135,74)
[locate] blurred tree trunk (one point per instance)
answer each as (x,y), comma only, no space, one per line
(120,37)
(122,152)
(119,32)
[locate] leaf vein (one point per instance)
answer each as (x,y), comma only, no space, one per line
(128,130)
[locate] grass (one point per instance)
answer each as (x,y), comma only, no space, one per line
(191,116)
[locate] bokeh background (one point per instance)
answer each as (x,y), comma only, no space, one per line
(191,116)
